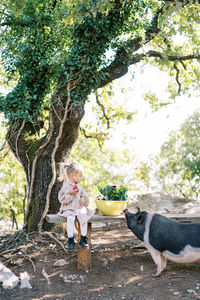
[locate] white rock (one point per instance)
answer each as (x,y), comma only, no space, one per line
(73,278)
(7,277)
(24,277)
(60,263)
(105,262)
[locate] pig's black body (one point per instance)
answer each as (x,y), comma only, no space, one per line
(166,234)
(166,238)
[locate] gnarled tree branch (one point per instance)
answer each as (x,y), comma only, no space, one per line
(158,54)
(177,79)
(118,68)
(98,136)
(104,111)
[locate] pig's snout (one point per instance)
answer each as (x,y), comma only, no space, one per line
(127,213)
(128,217)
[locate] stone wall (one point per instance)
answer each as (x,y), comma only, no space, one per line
(163,203)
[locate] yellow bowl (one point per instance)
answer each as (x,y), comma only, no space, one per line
(111,207)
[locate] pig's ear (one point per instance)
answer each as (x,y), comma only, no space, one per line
(140,219)
(138,209)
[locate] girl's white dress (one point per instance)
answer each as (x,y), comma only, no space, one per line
(70,205)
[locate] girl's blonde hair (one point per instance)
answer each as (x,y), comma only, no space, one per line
(67,170)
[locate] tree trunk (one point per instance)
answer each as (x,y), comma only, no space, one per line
(40,158)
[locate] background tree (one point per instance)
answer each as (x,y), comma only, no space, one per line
(180,160)
(12,181)
(58,52)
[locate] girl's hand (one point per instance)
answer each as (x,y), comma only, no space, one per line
(74,190)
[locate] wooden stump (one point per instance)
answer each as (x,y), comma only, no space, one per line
(84,255)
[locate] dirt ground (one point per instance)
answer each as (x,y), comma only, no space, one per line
(121,269)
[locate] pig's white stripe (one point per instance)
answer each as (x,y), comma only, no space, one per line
(159,260)
(152,250)
(147,226)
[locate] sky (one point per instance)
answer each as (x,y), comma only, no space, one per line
(150,129)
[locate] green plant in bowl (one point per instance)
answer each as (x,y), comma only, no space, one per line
(112,201)
(111,192)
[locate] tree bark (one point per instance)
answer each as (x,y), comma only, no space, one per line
(41,158)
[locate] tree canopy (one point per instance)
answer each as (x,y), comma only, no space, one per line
(46,44)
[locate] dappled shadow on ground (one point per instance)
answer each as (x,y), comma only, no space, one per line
(121,269)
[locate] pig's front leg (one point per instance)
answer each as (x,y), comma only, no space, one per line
(159,260)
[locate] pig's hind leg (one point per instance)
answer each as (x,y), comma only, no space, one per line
(159,260)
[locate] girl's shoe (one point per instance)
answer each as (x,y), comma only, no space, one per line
(83,242)
(71,244)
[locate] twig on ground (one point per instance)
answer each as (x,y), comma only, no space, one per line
(29,259)
(50,235)
(46,276)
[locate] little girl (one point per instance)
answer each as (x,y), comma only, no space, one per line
(74,202)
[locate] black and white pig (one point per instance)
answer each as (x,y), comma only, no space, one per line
(165,238)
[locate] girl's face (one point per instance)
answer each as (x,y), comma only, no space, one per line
(76,178)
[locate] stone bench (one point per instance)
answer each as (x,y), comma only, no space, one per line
(84,255)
